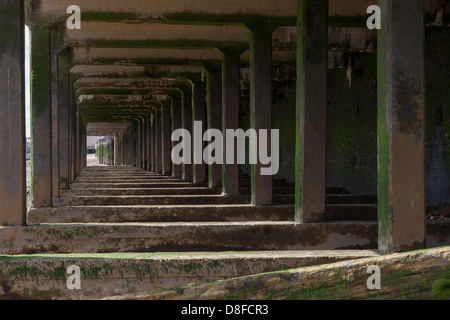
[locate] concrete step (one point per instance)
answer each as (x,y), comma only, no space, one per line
(128,180)
(44,277)
(102,185)
(181,213)
(140,192)
(351,199)
(151,200)
(351,212)
(187,236)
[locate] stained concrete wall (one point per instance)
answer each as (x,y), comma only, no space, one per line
(352,121)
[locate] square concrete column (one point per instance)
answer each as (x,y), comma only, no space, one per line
(155,141)
(187,125)
(138,143)
(214,120)
(148,135)
(12,114)
(41,111)
(261,109)
(230,117)
(176,110)
(312,68)
(55,118)
(401,126)
(72,133)
(158,142)
(143,143)
(198,114)
(151,141)
(116,150)
(63,104)
(166,134)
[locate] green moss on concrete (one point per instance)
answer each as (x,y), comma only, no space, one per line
(441,288)
(352,126)
(40,72)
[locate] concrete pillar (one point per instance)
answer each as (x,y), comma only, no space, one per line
(151,141)
(312,63)
(143,143)
(63,103)
(176,110)
(261,108)
(41,112)
(166,144)
(148,147)
(230,117)
(72,131)
(158,141)
(116,150)
(55,118)
(12,115)
(138,144)
(214,119)
(198,114)
(401,126)
(155,141)
(187,125)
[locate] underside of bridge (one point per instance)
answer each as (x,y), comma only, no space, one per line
(363,117)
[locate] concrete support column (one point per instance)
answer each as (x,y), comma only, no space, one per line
(116,150)
(187,125)
(133,144)
(401,126)
(143,143)
(151,141)
(214,120)
(230,117)
(158,142)
(148,137)
(312,63)
(55,118)
(41,111)
(176,110)
(64,108)
(72,135)
(155,140)
(138,144)
(12,115)
(198,114)
(260,109)
(166,143)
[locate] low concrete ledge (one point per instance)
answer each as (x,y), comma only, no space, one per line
(173,213)
(414,275)
(199,236)
(45,276)
(166,237)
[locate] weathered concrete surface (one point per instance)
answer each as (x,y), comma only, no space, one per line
(409,276)
(151,200)
(401,126)
(44,276)
(311,110)
(169,213)
(139,191)
(12,114)
(185,236)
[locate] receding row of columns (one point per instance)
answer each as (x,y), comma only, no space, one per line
(59,134)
